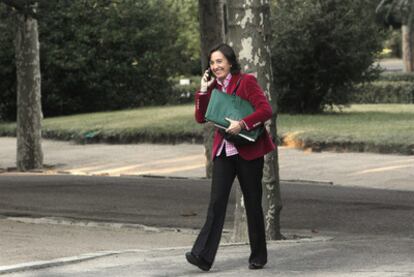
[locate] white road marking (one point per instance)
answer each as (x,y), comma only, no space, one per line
(123,169)
(382,169)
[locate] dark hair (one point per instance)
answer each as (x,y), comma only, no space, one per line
(228,52)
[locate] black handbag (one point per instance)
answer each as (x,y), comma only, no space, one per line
(236,139)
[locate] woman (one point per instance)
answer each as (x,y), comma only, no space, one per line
(245,161)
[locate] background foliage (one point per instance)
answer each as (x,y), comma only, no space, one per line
(321,48)
(99,55)
(102,55)
(391,87)
(7,66)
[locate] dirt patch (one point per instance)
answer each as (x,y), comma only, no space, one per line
(291,140)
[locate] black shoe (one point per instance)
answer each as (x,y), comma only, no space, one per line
(255,266)
(197,261)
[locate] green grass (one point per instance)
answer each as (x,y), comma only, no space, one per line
(378,128)
(154,120)
(159,124)
(375,124)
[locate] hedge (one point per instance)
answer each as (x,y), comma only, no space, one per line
(396,76)
(385,92)
(181,94)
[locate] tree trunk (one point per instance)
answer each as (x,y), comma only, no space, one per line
(249,35)
(407,47)
(29,111)
(211,34)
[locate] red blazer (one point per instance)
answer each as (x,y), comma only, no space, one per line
(249,90)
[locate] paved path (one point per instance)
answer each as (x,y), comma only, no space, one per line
(187,160)
(58,220)
(144,251)
(392,64)
(317,257)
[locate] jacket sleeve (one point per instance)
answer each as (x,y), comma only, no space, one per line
(255,95)
(201,103)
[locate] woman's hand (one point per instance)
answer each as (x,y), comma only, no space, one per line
(235,126)
(205,82)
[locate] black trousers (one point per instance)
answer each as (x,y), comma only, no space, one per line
(249,174)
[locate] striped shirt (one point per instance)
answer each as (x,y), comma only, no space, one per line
(229,147)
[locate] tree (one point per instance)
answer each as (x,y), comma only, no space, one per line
(211,34)
(105,55)
(188,38)
(7,64)
(249,34)
(29,109)
(400,14)
(320,49)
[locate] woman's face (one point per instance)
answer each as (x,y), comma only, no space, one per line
(219,65)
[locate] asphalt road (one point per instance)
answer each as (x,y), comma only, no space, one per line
(183,203)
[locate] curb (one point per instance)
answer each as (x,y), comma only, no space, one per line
(57,262)
(85,223)
(91,256)
(150,176)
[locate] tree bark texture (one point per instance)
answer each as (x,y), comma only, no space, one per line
(408,47)
(407,30)
(29,110)
(249,35)
(211,34)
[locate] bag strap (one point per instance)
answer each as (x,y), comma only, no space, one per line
(237,86)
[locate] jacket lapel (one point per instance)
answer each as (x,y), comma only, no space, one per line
(233,82)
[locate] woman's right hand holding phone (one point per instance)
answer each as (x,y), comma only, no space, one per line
(206,80)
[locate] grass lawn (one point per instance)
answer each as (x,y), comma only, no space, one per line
(377,128)
(158,124)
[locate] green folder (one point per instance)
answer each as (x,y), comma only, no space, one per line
(223,105)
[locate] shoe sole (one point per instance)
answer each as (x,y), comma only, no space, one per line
(254,267)
(193,261)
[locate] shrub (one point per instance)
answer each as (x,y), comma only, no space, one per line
(98,55)
(393,42)
(183,93)
(320,49)
(384,92)
(7,67)
(396,76)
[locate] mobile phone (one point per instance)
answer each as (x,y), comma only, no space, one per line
(210,74)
